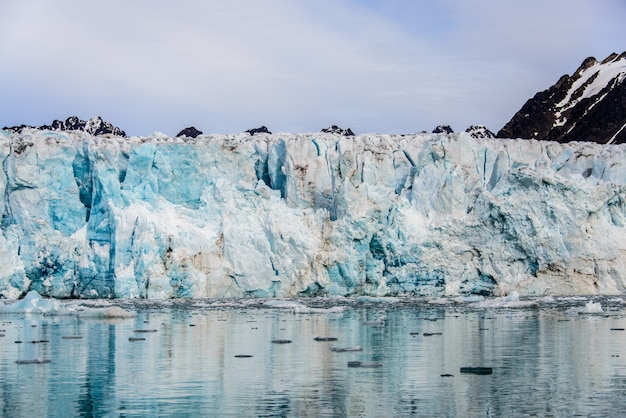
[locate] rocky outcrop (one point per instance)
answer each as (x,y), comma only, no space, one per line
(443,129)
(94,126)
(190,132)
(480,131)
(334,129)
(589,105)
(261,130)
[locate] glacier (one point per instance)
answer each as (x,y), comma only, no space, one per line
(318,214)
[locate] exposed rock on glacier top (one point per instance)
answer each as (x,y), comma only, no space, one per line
(190,132)
(334,129)
(261,130)
(480,131)
(312,214)
(94,126)
(443,129)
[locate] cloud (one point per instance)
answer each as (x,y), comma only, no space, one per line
(394,66)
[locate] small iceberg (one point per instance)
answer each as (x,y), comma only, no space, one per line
(33,302)
(593,308)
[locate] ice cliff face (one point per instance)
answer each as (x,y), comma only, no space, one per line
(315,214)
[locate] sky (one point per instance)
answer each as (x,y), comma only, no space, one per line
(375,66)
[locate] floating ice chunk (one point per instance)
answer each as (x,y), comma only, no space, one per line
(284,304)
(110,312)
(593,307)
(308,310)
(372,299)
(33,302)
(439,301)
(469,299)
(510,301)
(512,297)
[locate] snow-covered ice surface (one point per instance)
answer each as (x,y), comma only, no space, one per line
(301,215)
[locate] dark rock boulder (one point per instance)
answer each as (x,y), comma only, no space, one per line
(190,132)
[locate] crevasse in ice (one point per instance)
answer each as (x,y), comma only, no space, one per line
(308,214)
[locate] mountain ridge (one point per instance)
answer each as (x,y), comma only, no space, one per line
(589,105)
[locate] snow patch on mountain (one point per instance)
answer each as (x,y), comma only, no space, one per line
(590,82)
(589,105)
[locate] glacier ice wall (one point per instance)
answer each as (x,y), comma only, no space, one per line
(313,214)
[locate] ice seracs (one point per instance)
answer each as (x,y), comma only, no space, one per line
(319,214)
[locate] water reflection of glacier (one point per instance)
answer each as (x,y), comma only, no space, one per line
(553,359)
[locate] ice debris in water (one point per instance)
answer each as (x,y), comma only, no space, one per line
(380,299)
(590,307)
(33,302)
(510,301)
(469,299)
(110,312)
(300,308)
(310,310)
(284,304)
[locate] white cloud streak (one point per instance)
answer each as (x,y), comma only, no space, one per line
(396,66)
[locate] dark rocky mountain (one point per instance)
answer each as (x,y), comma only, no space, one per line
(334,129)
(190,132)
(261,130)
(589,105)
(480,131)
(443,129)
(94,126)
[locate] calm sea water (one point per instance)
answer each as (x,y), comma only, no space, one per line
(555,360)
